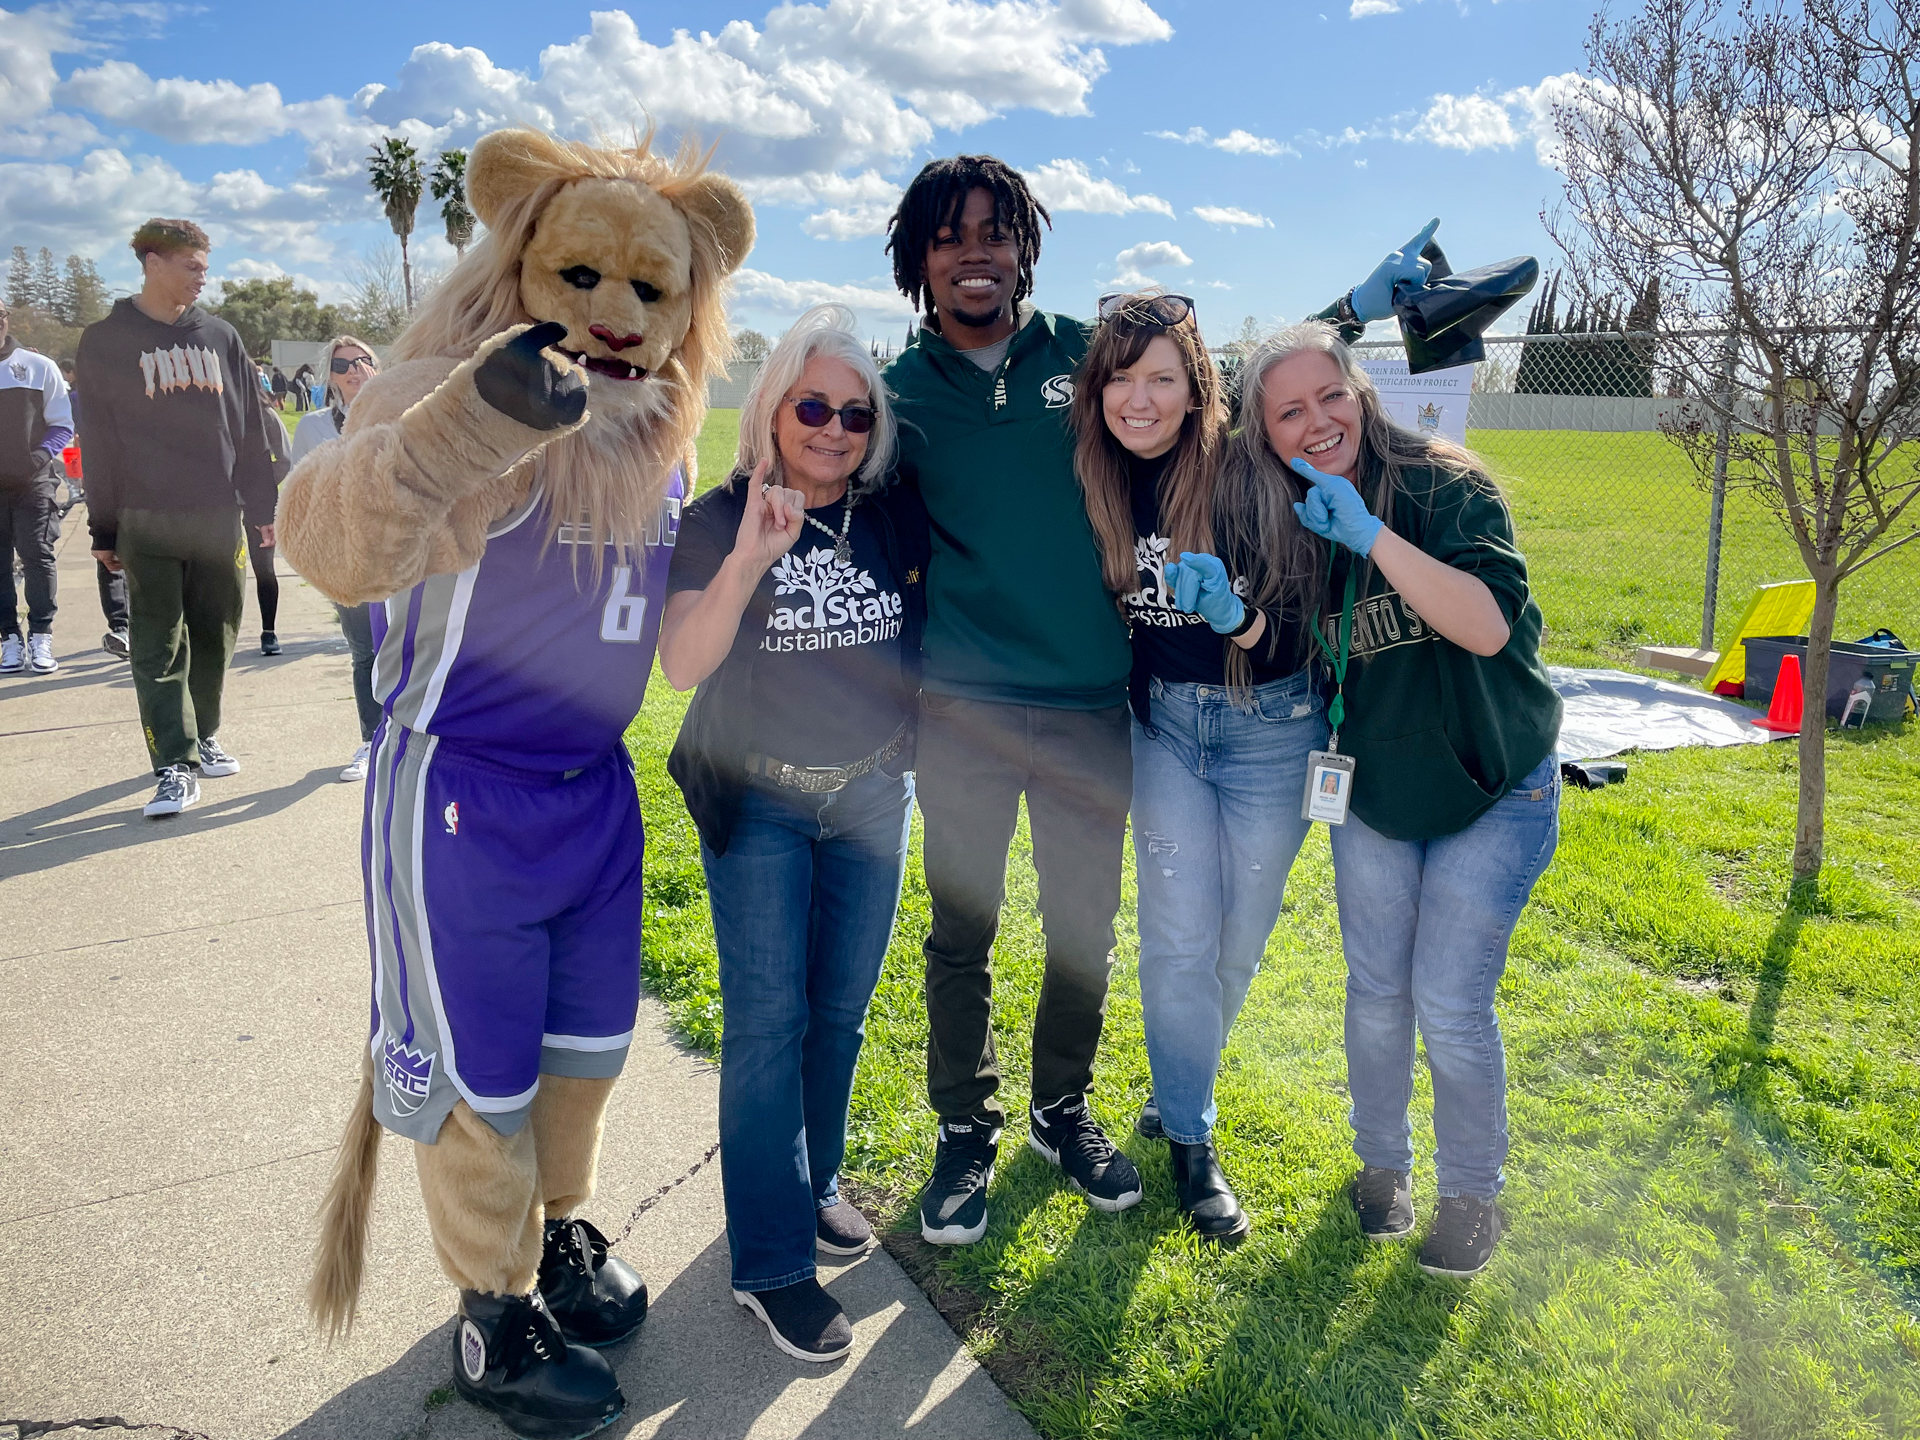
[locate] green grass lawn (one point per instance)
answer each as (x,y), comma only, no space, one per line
(1614,528)
(1715,1179)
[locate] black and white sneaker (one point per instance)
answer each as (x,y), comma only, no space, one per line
(804,1320)
(214,761)
(1064,1134)
(176,791)
(510,1357)
(114,642)
(13,655)
(269,643)
(842,1230)
(953,1207)
(1384,1200)
(1148,1126)
(1465,1230)
(40,655)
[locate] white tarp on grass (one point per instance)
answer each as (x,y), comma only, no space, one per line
(1608,711)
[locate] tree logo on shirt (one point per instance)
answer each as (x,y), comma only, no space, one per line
(843,604)
(1057,391)
(184,367)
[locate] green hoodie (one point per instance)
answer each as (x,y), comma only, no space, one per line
(1017,611)
(1437,733)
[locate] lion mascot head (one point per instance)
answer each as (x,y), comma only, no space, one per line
(631,251)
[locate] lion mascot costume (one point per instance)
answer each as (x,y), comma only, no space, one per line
(509,488)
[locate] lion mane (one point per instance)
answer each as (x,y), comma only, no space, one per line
(589,475)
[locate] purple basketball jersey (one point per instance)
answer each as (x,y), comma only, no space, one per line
(523,658)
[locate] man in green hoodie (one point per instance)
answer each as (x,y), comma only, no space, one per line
(1025,684)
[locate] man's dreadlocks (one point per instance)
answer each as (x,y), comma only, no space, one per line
(934,201)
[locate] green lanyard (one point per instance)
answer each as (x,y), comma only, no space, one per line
(1337,711)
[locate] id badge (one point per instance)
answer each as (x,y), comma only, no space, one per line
(1329,787)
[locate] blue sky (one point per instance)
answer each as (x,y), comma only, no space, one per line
(1259,156)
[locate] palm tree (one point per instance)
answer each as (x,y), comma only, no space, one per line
(394,168)
(449,186)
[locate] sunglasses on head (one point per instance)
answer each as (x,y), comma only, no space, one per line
(1150,312)
(340,365)
(854,419)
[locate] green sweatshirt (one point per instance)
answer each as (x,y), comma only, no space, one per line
(1437,733)
(1017,611)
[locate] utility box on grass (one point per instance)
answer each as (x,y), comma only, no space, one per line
(1889,671)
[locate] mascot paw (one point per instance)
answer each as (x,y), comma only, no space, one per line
(525,384)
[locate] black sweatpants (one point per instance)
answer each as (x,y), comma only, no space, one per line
(973,762)
(184,570)
(29,525)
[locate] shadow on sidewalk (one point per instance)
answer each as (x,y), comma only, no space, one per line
(63,832)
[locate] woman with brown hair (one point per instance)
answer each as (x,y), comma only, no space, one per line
(1225,709)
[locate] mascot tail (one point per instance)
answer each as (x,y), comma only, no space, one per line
(333,1294)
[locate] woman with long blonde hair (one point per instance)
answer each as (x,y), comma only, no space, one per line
(1444,721)
(1225,711)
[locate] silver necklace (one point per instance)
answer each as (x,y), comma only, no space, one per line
(842,547)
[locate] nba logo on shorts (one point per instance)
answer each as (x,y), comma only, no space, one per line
(408,1076)
(452,817)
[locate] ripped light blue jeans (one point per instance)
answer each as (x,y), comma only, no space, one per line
(1216,824)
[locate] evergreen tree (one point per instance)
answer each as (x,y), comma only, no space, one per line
(19,279)
(84,294)
(46,283)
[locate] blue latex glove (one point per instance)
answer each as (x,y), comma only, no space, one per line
(1334,509)
(1373,296)
(1200,586)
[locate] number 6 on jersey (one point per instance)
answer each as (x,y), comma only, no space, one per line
(625,618)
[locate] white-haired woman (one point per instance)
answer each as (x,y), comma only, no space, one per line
(350,364)
(795,603)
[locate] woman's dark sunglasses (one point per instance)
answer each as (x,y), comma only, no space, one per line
(340,366)
(1152,312)
(855,419)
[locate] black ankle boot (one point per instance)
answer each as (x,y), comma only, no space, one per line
(597,1298)
(510,1357)
(1205,1197)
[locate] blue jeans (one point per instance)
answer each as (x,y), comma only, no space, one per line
(1216,824)
(1425,924)
(803,904)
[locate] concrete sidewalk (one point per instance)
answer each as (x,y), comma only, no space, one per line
(184,1003)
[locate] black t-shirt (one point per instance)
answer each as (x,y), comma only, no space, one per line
(827,679)
(1179,646)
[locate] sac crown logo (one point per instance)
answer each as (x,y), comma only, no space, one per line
(1057,391)
(409,1075)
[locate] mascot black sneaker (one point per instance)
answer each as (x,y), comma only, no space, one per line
(509,1357)
(1065,1134)
(596,1298)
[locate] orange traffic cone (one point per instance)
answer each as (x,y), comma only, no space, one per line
(1783,716)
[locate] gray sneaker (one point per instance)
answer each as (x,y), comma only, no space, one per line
(114,642)
(177,790)
(13,655)
(214,761)
(40,655)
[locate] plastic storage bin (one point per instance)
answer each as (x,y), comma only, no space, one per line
(1889,671)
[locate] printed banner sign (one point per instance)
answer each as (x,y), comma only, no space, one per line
(1435,402)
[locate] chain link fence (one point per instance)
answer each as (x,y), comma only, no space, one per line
(1615,519)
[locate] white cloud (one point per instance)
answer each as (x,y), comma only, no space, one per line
(1132,263)
(1231,215)
(758,290)
(1360,9)
(810,106)
(1069,185)
(1465,122)
(1234,142)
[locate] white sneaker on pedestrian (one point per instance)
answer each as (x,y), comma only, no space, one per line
(356,770)
(40,655)
(177,790)
(215,762)
(13,655)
